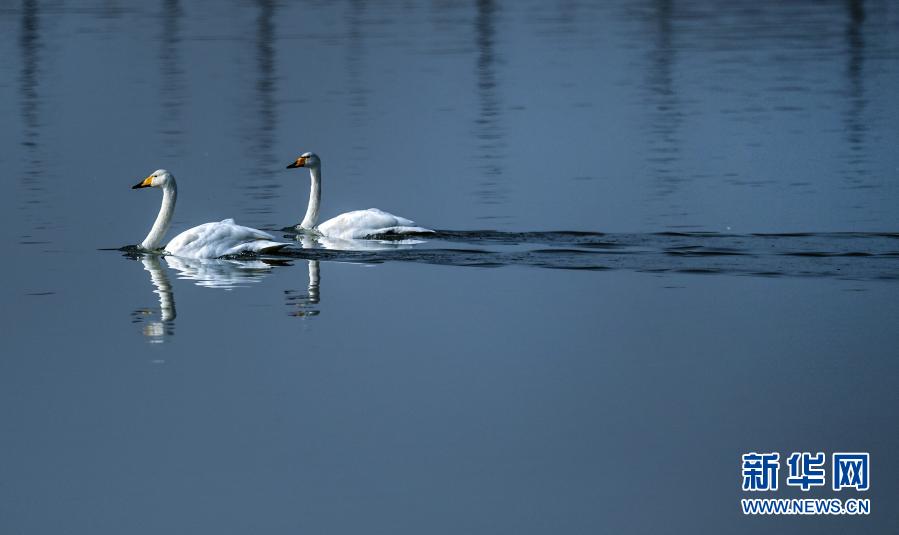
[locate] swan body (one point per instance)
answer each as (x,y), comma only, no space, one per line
(355,225)
(209,240)
(360,224)
(221,238)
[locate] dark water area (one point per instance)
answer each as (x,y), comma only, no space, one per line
(850,256)
(667,235)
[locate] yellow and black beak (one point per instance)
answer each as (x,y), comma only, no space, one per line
(300,162)
(145,183)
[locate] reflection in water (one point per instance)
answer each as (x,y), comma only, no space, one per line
(855,114)
(208,273)
(220,273)
(172,86)
(317,241)
(225,274)
(30,45)
(156,328)
(488,131)
(260,138)
(663,102)
(355,62)
(304,305)
(356,86)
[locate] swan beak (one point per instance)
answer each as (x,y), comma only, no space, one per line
(300,162)
(145,183)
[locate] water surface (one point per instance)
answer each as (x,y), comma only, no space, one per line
(667,235)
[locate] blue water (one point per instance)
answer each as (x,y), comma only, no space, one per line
(667,236)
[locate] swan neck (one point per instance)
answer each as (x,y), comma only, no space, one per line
(163,219)
(315,198)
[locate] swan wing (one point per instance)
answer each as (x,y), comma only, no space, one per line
(221,238)
(360,224)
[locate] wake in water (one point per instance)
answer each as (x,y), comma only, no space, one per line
(842,255)
(863,256)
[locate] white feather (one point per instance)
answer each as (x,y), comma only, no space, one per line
(209,240)
(222,238)
(360,224)
(355,225)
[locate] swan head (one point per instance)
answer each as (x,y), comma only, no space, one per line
(158,179)
(307,159)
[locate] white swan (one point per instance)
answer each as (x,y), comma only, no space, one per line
(209,240)
(358,224)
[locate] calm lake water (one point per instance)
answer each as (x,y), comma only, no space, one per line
(667,235)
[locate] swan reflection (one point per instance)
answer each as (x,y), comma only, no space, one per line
(309,240)
(221,273)
(156,325)
(304,305)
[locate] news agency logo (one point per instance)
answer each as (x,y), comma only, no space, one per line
(806,470)
(760,471)
(850,471)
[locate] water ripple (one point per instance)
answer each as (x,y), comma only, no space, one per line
(842,255)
